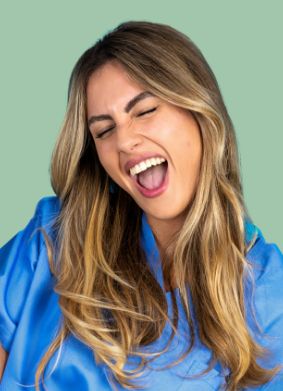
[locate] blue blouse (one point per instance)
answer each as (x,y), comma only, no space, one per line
(30,317)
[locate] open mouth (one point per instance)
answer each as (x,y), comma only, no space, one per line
(153,181)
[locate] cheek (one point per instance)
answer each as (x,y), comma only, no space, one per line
(108,160)
(186,146)
(103,156)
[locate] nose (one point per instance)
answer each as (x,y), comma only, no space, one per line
(128,137)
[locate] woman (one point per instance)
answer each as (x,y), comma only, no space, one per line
(145,271)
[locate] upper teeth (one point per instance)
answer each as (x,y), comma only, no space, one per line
(144,165)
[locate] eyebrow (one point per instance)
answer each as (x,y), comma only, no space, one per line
(128,107)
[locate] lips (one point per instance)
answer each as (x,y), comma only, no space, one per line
(150,193)
(132,162)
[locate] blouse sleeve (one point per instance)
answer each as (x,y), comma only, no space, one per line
(267,259)
(18,260)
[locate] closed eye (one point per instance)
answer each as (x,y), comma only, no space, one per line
(100,135)
(147,112)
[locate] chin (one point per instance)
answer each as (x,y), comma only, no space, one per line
(164,213)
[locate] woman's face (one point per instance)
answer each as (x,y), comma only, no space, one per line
(142,127)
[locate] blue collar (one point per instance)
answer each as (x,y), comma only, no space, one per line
(152,253)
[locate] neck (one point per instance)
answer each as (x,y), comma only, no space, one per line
(164,231)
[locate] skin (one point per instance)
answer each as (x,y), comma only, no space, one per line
(168,131)
(3,360)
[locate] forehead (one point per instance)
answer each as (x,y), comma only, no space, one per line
(109,88)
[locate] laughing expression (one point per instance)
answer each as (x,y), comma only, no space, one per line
(142,138)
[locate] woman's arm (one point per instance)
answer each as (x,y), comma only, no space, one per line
(3,360)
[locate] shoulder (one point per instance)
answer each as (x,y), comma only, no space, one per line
(266,258)
(266,295)
(28,242)
(30,237)
(266,261)
(46,213)
(21,259)
(48,205)
(47,208)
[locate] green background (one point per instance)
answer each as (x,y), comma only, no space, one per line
(41,41)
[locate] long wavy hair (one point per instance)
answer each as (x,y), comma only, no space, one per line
(109,297)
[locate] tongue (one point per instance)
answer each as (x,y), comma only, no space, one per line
(152,177)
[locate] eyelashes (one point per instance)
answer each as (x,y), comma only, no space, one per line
(147,112)
(101,134)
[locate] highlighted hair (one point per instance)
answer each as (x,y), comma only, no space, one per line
(108,296)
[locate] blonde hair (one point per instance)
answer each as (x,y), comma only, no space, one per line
(108,296)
